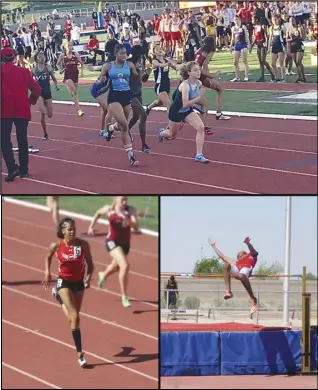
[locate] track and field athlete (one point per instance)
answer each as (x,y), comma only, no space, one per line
(72,253)
(240,42)
(188,94)
(122,218)
(119,97)
(43,72)
(241,269)
(209,80)
(297,49)
(68,64)
(276,40)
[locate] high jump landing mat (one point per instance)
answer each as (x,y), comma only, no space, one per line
(231,349)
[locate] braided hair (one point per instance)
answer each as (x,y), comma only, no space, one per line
(62,224)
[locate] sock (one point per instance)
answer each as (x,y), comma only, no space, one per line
(76,333)
(129,150)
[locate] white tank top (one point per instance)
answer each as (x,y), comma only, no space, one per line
(166,25)
(175,25)
(306,7)
(298,9)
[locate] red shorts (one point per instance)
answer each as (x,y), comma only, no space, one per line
(176,36)
(167,36)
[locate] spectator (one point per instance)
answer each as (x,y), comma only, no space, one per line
(75,34)
(95,19)
(171,297)
(15,108)
(93,45)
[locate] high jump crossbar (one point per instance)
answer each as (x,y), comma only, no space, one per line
(167,275)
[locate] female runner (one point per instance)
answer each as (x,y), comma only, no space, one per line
(161,68)
(209,80)
(297,49)
(260,39)
(189,93)
(42,73)
(119,97)
(71,253)
(122,218)
(240,41)
(67,63)
(277,33)
(136,96)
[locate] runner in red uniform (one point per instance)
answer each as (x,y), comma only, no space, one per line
(68,63)
(68,28)
(72,253)
(209,80)
(241,269)
(122,218)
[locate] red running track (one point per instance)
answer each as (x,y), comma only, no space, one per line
(37,348)
(248,155)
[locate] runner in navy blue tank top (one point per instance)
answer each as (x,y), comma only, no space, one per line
(189,93)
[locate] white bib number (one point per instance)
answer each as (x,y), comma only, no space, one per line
(59,283)
(111,245)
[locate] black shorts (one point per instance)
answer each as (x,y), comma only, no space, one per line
(46,93)
(110,245)
(297,47)
(277,48)
(163,87)
(121,97)
(220,31)
(178,117)
(20,50)
(73,286)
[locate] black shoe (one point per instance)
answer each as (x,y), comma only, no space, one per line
(260,80)
(108,134)
(46,136)
(23,175)
(12,176)
(133,161)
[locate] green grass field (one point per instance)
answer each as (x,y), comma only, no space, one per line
(234,101)
(88,205)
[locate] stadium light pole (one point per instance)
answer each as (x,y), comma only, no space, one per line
(287,261)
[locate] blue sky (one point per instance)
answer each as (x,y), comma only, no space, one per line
(187,222)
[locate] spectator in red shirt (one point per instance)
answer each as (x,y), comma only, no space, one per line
(15,108)
(156,22)
(93,45)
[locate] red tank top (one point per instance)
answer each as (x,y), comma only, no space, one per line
(119,229)
(71,261)
(200,57)
(246,261)
(71,64)
(259,33)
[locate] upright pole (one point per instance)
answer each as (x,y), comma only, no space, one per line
(287,261)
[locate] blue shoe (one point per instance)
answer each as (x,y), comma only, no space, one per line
(200,158)
(101,133)
(160,137)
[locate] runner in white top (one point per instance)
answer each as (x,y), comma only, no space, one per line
(298,12)
(175,23)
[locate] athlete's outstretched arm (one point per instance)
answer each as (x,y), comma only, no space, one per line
(98,214)
(220,254)
(250,246)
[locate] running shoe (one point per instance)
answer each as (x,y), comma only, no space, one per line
(145,148)
(101,280)
(133,161)
(160,136)
(101,132)
(200,158)
(235,80)
(46,136)
(245,78)
(228,296)
(260,80)
(208,131)
(254,306)
(82,361)
(125,301)
(80,113)
(220,116)
(108,134)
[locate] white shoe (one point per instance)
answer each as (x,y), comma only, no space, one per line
(234,80)
(287,73)
(82,361)
(245,78)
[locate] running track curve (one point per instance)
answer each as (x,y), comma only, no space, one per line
(248,155)
(37,348)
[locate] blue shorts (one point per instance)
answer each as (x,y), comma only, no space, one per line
(240,46)
(95,91)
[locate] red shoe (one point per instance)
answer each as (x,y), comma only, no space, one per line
(228,296)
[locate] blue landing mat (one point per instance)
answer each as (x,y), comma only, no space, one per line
(233,353)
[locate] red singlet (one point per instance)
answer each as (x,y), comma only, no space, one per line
(246,261)
(119,230)
(71,261)
(259,33)
(71,70)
